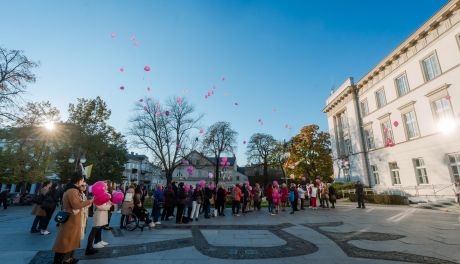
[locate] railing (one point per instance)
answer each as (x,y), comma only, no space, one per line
(413,191)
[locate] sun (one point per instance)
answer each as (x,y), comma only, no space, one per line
(49,125)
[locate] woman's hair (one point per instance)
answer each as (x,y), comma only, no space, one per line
(76,177)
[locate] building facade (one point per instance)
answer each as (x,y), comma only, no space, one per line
(203,167)
(139,170)
(398,127)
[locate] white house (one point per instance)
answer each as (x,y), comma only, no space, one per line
(203,167)
(398,127)
(139,170)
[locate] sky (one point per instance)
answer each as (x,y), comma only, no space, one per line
(279,59)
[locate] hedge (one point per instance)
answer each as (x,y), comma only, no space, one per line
(382,199)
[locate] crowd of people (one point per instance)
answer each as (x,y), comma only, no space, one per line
(182,202)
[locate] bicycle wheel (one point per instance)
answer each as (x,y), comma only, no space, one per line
(131,222)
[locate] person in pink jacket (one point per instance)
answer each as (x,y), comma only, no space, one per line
(276,196)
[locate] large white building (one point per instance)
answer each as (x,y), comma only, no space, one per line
(398,127)
(203,167)
(139,170)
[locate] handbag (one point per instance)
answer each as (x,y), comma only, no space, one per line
(62,217)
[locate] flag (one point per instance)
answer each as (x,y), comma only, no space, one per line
(88,170)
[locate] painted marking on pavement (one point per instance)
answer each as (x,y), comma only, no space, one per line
(370,210)
(401,216)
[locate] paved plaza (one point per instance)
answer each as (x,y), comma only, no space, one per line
(377,234)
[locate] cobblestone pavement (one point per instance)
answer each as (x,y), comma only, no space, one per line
(377,234)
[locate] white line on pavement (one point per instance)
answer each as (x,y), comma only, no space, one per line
(401,216)
(370,210)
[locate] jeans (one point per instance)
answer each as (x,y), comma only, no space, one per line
(206,207)
(35,225)
(94,236)
(5,203)
(156,211)
(270,205)
(45,220)
(361,200)
(236,205)
(302,202)
(220,207)
(179,213)
(195,210)
(167,212)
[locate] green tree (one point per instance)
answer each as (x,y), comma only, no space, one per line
(89,135)
(310,154)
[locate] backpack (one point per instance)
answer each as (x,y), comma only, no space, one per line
(291,196)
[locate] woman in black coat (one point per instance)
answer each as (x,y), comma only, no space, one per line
(49,204)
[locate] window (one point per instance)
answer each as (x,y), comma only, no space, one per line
(410,122)
(442,109)
(454,162)
(394,170)
(402,85)
(369,136)
(364,108)
(431,67)
(380,97)
(387,132)
(343,134)
(375,173)
(420,171)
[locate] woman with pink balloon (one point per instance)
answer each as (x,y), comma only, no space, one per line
(101,207)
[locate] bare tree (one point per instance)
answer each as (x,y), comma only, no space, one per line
(166,131)
(15,74)
(259,149)
(220,138)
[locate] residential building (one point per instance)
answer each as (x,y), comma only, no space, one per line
(139,170)
(196,167)
(398,126)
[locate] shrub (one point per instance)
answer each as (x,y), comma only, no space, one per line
(382,199)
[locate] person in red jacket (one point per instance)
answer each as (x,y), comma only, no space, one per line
(268,194)
(236,205)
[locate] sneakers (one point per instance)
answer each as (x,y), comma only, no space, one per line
(104,243)
(45,232)
(152,225)
(98,245)
(158,223)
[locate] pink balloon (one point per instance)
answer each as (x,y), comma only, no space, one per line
(149,99)
(122,88)
(179,99)
(201,131)
(385,130)
(223,79)
(318,181)
(113,34)
(396,123)
(99,188)
(146,108)
(158,113)
(212,186)
(210,175)
(224,159)
(209,93)
(157,105)
(133,37)
(275,183)
(202,183)
(178,146)
(117,197)
(122,69)
(136,44)
(186,187)
(101,199)
(147,68)
(228,163)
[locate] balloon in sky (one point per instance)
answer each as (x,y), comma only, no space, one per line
(133,37)
(223,78)
(244,141)
(201,131)
(136,44)
(146,108)
(205,97)
(122,88)
(141,100)
(113,34)
(158,113)
(179,99)
(178,146)
(167,113)
(149,99)
(147,68)
(236,104)
(122,69)
(148,88)
(214,87)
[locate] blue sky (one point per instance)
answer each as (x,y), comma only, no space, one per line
(279,58)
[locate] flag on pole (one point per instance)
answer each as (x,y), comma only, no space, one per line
(87,171)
